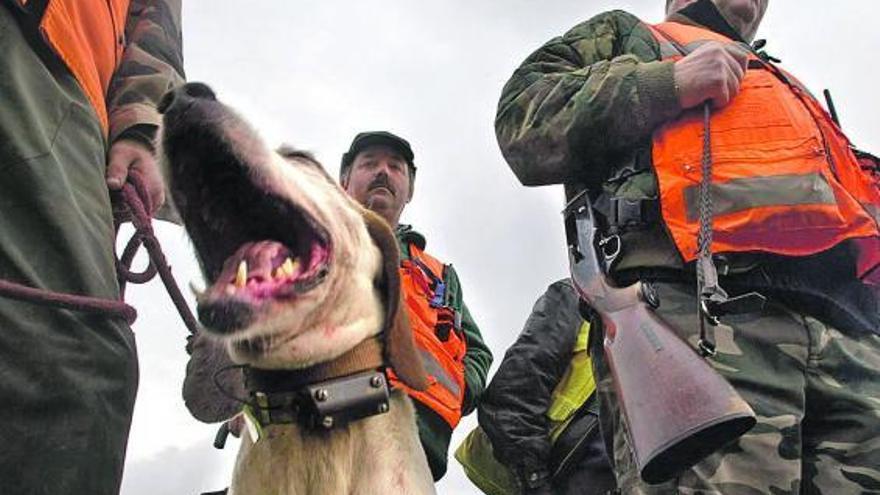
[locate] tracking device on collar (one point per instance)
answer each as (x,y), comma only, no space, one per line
(325,404)
(348,398)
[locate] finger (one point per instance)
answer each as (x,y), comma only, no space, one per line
(722,99)
(732,82)
(709,46)
(147,166)
(732,89)
(118,164)
(737,70)
(739,54)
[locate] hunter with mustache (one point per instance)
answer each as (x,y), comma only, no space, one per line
(699,153)
(378,172)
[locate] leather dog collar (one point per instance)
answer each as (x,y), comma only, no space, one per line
(350,387)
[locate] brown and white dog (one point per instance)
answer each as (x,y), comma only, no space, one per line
(299,276)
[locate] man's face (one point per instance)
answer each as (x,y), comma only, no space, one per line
(379,180)
(742,15)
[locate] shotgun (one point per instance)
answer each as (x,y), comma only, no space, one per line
(677,409)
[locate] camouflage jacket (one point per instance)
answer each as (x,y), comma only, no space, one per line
(582,108)
(151,64)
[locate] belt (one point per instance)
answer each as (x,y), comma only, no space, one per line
(821,286)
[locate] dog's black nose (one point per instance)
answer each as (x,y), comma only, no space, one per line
(225,316)
(185,92)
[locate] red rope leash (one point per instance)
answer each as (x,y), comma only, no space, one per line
(96,305)
(135,207)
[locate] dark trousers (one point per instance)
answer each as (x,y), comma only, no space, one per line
(67,380)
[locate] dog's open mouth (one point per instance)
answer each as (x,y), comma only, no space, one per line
(270,255)
(256,245)
(258,249)
(269,269)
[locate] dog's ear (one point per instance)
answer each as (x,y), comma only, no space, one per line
(400,346)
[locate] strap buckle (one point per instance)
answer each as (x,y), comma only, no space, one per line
(715,303)
(611,247)
(749,302)
(632,213)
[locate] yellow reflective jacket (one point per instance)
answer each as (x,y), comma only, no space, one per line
(570,394)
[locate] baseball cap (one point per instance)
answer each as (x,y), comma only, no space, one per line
(377,138)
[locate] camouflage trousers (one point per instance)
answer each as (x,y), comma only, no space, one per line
(67,380)
(814,389)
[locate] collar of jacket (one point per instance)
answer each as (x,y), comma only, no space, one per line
(407,235)
(352,386)
(704,13)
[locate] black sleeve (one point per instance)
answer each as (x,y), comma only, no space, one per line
(512,410)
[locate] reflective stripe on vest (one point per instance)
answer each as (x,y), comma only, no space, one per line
(784,178)
(88,36)
(444,361)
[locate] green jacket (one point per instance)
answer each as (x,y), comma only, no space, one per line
(582,108)
(434,432)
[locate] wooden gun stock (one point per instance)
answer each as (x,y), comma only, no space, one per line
(677,408)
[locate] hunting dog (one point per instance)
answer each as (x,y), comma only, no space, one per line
(303,292)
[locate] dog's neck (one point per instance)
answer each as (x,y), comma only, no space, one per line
(349,387)
(365,356)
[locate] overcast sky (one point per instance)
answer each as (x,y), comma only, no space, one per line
(314,73)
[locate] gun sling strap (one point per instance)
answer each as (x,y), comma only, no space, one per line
(713,302)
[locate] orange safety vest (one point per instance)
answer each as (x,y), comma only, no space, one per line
(89,37)
(433,321)
(784,176)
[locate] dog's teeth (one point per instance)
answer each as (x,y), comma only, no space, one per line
(289,267)
(241,274)
(280,273)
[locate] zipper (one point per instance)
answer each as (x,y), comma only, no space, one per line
(828,155)
(776,71)
(563,463)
